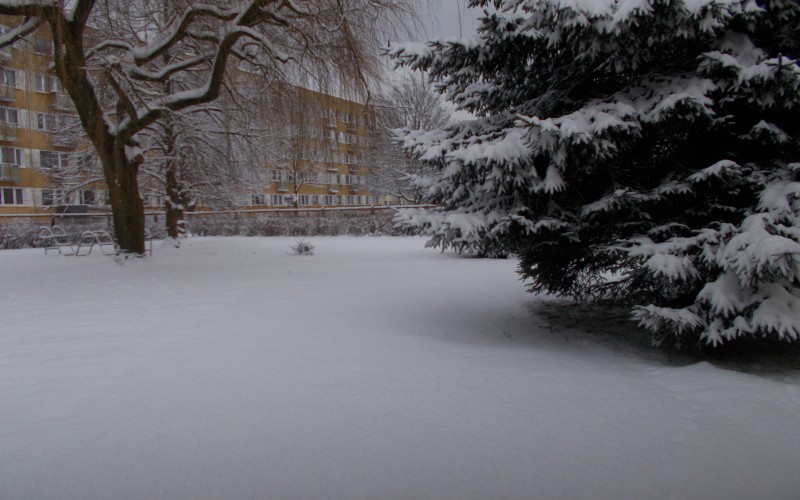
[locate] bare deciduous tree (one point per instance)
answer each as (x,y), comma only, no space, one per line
(295,144)
(119,82)
(411,104)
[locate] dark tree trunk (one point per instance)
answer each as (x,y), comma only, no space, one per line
(126,205)
(175,198)
(173,205)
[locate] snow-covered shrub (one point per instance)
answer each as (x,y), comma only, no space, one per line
(303,247)
(17,235)
(641,151)
(328,223)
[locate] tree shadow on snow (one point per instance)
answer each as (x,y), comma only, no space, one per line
(612,327)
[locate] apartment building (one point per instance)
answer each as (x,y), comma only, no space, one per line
(327,161)
(325,165)
(35,114)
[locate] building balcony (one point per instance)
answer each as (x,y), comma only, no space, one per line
(7,92)
(282,186)
(9,172)
(62,102)
(333,189)
(8,131)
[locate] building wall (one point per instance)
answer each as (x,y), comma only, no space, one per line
(32,106)
(31,102)
(338,135)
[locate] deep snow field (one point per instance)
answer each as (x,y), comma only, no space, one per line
(373,369)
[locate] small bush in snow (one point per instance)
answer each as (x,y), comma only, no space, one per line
(17,235)
(303,247)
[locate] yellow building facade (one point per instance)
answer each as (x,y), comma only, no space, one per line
(330,164)
(328,168)
(33,107)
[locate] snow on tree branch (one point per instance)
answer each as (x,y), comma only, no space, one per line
(641,151)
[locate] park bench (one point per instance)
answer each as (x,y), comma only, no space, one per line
(55,238)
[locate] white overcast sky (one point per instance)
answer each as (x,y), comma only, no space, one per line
(442,19)
(448,18)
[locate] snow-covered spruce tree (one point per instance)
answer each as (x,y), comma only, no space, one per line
(642,151)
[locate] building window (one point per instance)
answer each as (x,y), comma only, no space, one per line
(47,197)
(87,197)
(42,46)
(315,199)
(9,115)
(47,121)
(258,199)
(41,83)
(8,124)
(275,175)
(8,77)
(11,196)
(54,122)
(55,85)
(11,156)
(305,199)
(277,200)
(53,197)
(327,200)
(53,160)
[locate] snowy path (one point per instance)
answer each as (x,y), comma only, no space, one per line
(373,369)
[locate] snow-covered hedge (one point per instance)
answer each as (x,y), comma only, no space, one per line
(17,234)
(331,223)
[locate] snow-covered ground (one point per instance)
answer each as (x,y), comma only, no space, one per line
(373,369)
